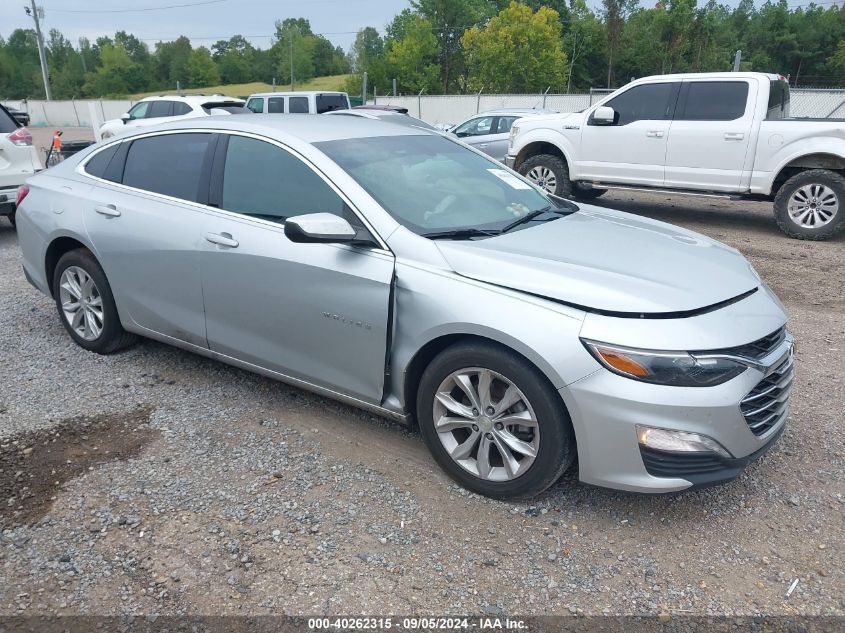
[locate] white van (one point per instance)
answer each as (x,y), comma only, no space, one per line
(297,102)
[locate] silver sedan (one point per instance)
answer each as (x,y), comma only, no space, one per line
(402,272)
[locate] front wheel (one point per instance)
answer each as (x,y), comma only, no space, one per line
(86,305)
(493,422)
(811,205)
(549,173)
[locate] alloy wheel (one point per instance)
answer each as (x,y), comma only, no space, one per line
(543,177)
(81,302)
(486,424)
(813,205)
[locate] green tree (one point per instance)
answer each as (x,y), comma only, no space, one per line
(170,62)
(201,69)
(413,59)
(117,75)
(292,43)
(518,51)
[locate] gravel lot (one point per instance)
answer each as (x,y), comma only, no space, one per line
(157,482)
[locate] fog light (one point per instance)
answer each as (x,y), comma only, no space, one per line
(678,441)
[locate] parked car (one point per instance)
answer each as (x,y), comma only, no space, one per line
(390,116)
(708,133)
(488,131)
(166,108)
(404,273)
(19,115)
(18,161)
(314,102)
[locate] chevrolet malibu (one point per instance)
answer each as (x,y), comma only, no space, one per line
(402,272)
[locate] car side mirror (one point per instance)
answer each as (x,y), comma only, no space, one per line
(603,115)
(125,117)
(319,228)
(461,134)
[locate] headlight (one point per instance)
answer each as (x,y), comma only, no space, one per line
(514,132)
(676,369)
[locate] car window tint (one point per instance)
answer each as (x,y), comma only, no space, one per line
(298,105)
(714,101)
(327,103)
(475,127)
(275,105)
(262,180)
(778,107)
(97,165)
(169,164)
(646,102)
(7,122)
(139,110)
(180,108)
(159,109)
(505,124)
(256,105)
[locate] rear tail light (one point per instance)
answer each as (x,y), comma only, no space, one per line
(21,136)
(23,190)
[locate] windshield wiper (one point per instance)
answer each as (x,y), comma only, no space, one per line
(459,234)
(531,215)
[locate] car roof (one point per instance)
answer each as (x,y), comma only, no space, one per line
(194,98)
(303,93)
(305,127)
(515,111)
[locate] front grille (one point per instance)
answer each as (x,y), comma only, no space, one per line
(765,406)
(757,349)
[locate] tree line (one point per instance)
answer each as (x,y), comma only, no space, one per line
(460,46)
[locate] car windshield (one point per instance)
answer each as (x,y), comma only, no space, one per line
(431,184)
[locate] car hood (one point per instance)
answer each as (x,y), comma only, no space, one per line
(608,261)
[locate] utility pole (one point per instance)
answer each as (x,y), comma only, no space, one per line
(45,72)
(737,60)
(290,39)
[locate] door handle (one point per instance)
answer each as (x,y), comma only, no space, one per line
(223,239)
(654,134)
(108,210)
(734,136)
(483,144)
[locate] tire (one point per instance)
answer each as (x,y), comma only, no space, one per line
(551,438)
(12,220)
(824,192)
(583,192)
(111,335)
(562,186)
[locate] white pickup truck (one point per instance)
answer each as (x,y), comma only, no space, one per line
(708,134)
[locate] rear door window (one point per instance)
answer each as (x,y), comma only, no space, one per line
(778,107)
(298,105)
(275,105)
(505,123)
(712,101)
(169,164)
(180,108)
(159,109)
(327,103)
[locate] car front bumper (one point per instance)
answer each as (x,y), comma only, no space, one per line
(607,408)
(510,161)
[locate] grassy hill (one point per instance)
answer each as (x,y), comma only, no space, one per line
(331,82)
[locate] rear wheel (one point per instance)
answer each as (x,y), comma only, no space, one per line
(86,305)
(811,205)
(493,422)
(549,173)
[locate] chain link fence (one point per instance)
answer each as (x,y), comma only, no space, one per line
(435,109)
(451,109)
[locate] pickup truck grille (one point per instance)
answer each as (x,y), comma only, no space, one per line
(765,406)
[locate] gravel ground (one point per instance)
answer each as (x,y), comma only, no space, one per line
(158,482)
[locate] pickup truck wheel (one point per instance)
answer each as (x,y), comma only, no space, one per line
(811,205)
(583,192)
(548,172)
(493,422)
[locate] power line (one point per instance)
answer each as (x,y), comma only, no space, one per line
(161,8)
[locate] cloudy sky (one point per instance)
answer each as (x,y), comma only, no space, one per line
(204,23)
